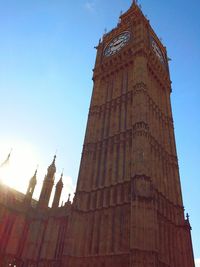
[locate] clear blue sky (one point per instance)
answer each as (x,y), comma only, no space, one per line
(46,59)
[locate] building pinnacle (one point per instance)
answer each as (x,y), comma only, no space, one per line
(52,168)
(7,160)
(134,2)
(33,180)
(60,182)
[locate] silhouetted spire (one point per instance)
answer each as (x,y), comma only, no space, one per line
(33,179)
(68,203)
(134,2)
(59,187)
(51,169)
(47,185)
(7,160)
(60,182)
(31,188)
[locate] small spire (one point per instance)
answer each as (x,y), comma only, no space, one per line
(54,159)
(51,169)
(69,198)
(35,174)
(37,167)
(33,179)
(7,160)
(62,174)
(135,3)
(60,182)
(121,12)
(187,217)
(53,162)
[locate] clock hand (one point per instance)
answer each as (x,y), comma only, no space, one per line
(114,47)
(116,44)
(119,41)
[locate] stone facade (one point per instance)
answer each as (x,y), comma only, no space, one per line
(32,234)
(128,209)
(128,190)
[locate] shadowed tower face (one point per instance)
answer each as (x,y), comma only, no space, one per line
(128,208)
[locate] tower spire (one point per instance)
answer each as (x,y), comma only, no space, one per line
(47,185)
(6,161)
(51,169)
(59,187)
(134,2)
(31,188)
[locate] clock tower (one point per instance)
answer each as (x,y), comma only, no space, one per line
(128,209)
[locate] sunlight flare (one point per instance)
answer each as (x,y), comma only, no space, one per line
(22,162)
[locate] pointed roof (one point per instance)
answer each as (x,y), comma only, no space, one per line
(53,162)
(133,8)
(134,2)
(60,182)
(52,167)
(34,178)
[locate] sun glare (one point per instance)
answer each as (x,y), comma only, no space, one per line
(21,166)
(22,163)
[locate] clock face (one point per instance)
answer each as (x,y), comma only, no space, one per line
(157,50)
(117,43)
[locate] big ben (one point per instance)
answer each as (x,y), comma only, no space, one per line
(128,209)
